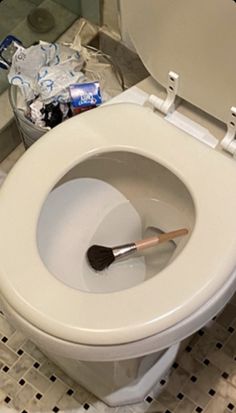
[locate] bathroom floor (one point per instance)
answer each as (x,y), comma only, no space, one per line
(203,378)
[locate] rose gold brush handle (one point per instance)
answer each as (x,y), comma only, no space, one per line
(151,242)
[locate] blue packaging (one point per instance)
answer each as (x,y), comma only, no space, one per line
(7,49)
(85,95)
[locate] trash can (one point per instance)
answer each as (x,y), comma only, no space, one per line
(29,132)
(99,68)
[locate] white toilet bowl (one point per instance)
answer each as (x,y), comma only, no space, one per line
(170,180)
(165,308)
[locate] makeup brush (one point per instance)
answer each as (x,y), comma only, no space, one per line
(101,257)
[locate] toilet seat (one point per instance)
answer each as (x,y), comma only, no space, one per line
(106,319)
(177,37)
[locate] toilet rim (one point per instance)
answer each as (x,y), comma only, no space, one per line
(106,321)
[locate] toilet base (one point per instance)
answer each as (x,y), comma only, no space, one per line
(121,382)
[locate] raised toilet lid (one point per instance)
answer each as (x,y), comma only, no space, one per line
(195,39)
(197,273)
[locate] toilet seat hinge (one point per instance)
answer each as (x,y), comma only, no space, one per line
(168,105)
(228,143)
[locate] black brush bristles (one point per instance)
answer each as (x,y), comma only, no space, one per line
(100,257)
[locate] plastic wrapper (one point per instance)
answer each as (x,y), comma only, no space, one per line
(45,70)
(85,95)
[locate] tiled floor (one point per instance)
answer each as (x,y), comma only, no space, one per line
(203,378)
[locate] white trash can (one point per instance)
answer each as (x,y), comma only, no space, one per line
(29,132)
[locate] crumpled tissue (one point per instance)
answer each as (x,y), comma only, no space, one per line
(45,71)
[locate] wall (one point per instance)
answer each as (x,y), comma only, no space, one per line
(90,9)
(108,10)
(72,5)
(110,14)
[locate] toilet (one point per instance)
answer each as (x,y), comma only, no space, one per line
(159,157)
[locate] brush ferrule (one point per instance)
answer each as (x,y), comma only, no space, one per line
(122,251)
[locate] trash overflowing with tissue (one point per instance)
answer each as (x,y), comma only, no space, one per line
(45,71)
(54,82)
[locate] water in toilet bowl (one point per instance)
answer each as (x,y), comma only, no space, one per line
(86,211)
